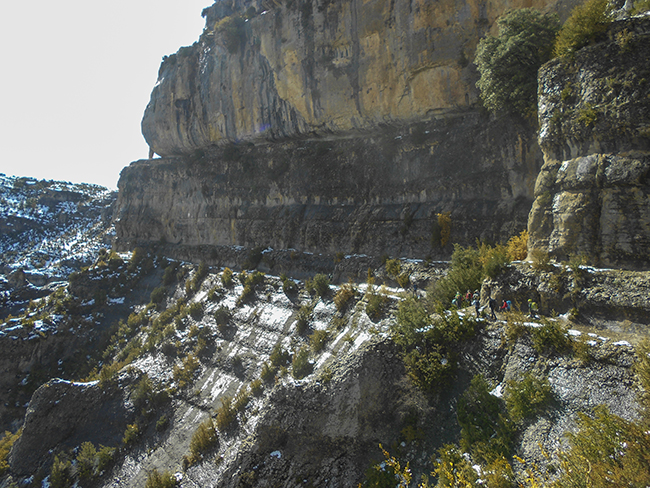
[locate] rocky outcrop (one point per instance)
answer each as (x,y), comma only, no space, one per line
(65,414)
(374,193)
(593,193)
(271,70)
(613,299)
(328,432)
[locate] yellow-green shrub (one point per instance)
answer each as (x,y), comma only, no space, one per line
(204,438)
(226,277)
(318,339)
(131,434)
(5,446)
(588,22)
(517,247)
(185,373)
(160,480)
(605,451)
(343,296)
(301,366)
(453,469)
(226,414)
(527,397)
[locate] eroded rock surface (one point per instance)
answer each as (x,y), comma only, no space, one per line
(377,193)
(271,70)
(593,194)
(65,414)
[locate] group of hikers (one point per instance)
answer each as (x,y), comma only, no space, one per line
(474,299)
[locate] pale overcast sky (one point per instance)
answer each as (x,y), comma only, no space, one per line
(76,76)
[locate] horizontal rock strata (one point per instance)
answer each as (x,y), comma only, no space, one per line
(374,193)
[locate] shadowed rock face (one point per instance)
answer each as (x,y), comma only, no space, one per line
(62,413)
(593,193)
(375,193)
(317,67)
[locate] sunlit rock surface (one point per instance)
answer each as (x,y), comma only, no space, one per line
(593,194)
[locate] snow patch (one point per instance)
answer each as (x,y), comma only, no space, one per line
(497,391)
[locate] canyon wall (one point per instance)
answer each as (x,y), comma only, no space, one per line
(271,70)
(330,127)
(593,193)
(378,193)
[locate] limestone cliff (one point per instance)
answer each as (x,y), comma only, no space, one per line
(268,70)
(330,127)
(593,193)
(377,193)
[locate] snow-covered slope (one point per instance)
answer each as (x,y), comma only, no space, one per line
(49,229)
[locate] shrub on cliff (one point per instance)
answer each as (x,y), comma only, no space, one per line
(304,316)
(160,480)
(469,267)
(204,438)
(300,364)
(376,302)
(226,414)
(588,23)
(508,63)
(185,374)
(344,295)
(318,340)
(526,398)
(193,284)
(279,357)
(429,342)
(288,285)
(91,463)
(233,31)
(158,295)
(60,475)
(5,446)
(222,316)
(320,285)
(517,247)
(640,6)
(226,277)
(486,431)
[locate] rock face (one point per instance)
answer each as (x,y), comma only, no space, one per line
(271,70)
(593,193)
(62,413)
(614,299)
(327,432)
(326,427)
(374,193)
(330,127)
